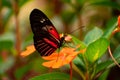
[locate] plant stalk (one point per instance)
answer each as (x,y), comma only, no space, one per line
(70,70)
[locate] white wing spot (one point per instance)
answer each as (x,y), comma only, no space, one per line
(42,20)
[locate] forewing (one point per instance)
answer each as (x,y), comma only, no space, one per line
(39,21)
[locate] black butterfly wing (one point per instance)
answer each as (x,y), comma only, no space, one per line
(43,47)
(46,38)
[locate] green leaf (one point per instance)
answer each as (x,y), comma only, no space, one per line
(109,63)
(96,49)
(68,16)
(116,53)
(19,73)
(6,41)
(7,3)
(7,64)
(6,45)
(53,76)
(79,63)
(7,16)
(111,4)
(66,1)
(81,2)
(110,27)
(78,42)
(93,35)
(104,75)
(22,2)
(104,65)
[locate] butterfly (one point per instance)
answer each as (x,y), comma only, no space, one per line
(46,37)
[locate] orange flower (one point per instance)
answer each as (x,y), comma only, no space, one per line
(56,60)
(119,21)
(65,56)
(30,49)
(118,27)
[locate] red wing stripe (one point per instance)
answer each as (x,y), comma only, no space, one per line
(40,41)
(45,49)
(50,42)
(42,47)
(50,51)
(47,52)
(57,39)
(40,44)
(45,46)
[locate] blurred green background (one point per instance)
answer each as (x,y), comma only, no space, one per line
(66,15)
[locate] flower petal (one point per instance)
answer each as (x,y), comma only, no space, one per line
(30,49)
(119,21)
(53,56)
(57,64)
(48,64)
(66,55)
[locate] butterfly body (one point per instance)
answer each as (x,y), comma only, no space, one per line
(46,37)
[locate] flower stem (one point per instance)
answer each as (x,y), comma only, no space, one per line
(18,38)
(113,57)
(78,71)
(70,70)
(50,69)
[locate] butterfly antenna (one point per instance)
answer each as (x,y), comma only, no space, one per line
(76,29)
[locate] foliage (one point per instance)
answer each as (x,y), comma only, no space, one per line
(94,38)
(51,76)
